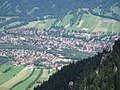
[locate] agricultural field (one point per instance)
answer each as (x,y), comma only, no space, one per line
(65,22)
(23,85)
(30,24)
(88,22)
(4,67)
(22,75)
(116,27)
(13,24)
(76,25)
(94,23)
(4,77)
(40,24)
(17,74)
(44,24)
(45,76)
(8,22)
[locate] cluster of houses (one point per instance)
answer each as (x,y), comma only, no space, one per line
(27,57)
(46,40)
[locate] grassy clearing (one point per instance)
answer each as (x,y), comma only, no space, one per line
(23,85)
(22,75)
(4,77)
(4,67)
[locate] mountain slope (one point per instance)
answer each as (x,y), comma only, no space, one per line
(19,13)
(57,8)
(101,72)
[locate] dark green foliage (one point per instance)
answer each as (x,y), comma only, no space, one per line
(101,72)
(3,60)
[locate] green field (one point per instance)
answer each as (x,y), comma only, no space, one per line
(11,24)
(94,23)
(110,27)
(65,21)
(23,85)
(116,27)
(45,24)
(4,77)
(76,25)
(4,67)
(86,21)
(45,76)
(23,74)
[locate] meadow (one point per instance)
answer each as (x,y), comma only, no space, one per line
(23,85)
(65,20)
(86,21)
(95,23)
(4,77)
(45,76)
(45,24)
(19,76)
(4,67)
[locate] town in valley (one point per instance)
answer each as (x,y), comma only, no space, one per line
(50,48)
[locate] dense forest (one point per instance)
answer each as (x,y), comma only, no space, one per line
(101,72)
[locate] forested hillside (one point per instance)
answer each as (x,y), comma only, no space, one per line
(31,9)
(101,72)
(18,13)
